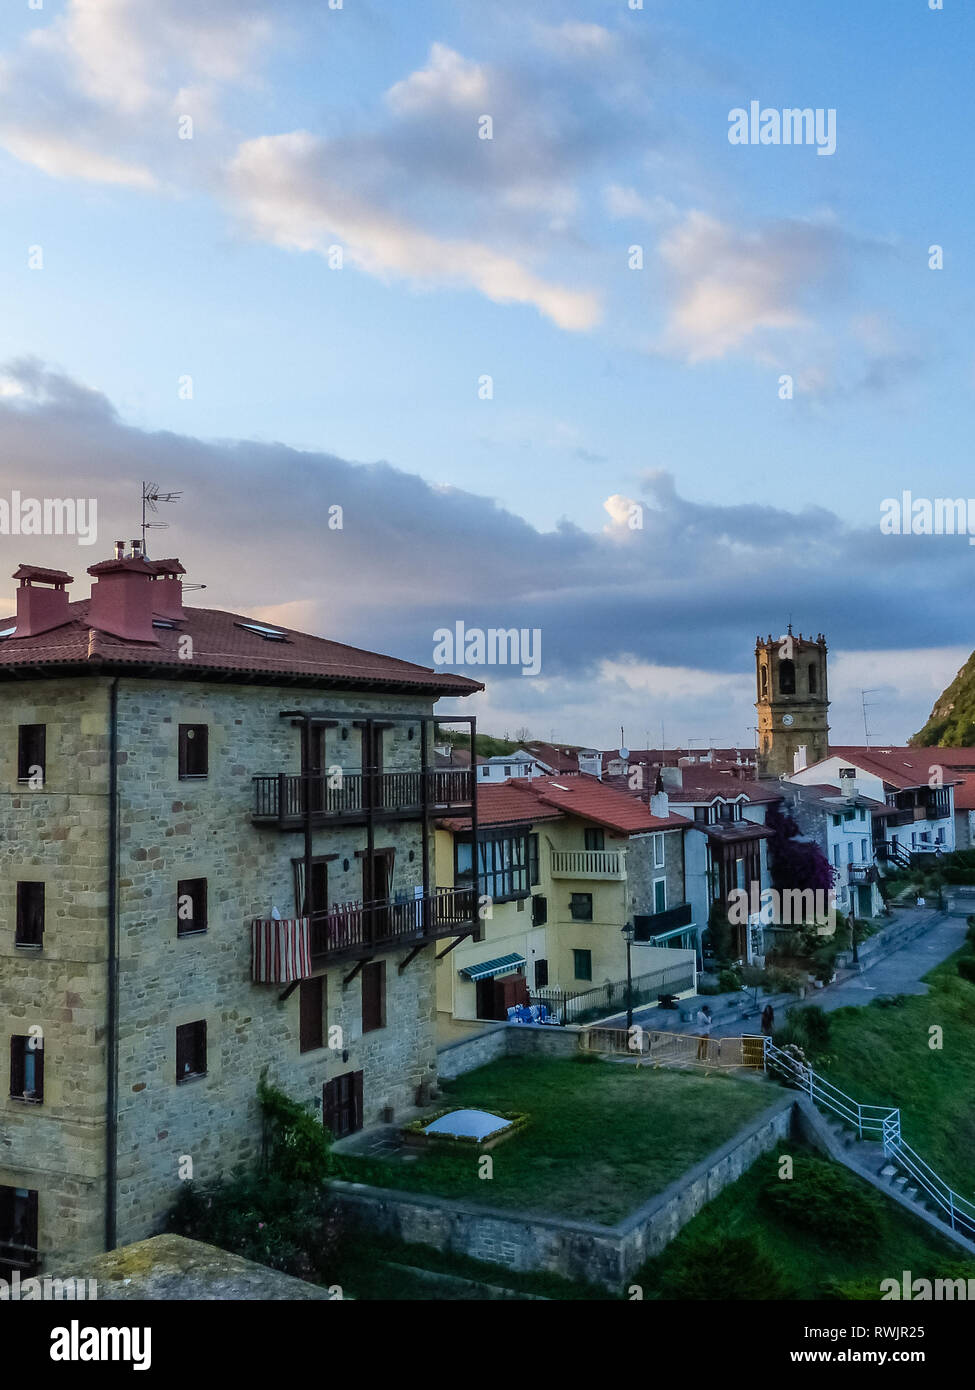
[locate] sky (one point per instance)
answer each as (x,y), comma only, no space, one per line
(265,254)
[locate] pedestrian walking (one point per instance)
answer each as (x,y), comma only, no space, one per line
(768,1020)
(704,1022)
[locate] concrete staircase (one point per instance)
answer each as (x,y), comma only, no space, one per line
(867,1159)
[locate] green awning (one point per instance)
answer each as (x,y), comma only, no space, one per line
(499,966)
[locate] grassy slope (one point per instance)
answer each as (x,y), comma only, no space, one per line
(881,1056)
(951,723)
(604,1137)
(904,1242)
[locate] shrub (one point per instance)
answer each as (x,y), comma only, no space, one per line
(827,1202)
(266,1219)
(807,1029)
(784,981)
(966,969)
(890,1001)
(729,979)
(297,1145)
(724,1267)
(708,987)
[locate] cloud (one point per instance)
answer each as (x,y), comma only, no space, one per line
(661,627)
(733,288)
(286,188)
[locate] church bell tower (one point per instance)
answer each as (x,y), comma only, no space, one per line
(792,703)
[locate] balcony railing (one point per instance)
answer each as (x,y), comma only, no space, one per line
(659,923)
(282,799)
(588,863)
(350,926)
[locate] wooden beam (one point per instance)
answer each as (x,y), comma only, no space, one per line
(415,952)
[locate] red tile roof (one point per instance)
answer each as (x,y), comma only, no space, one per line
(220,646)
(899,768)
(547,798)
(965,792)
(698,787)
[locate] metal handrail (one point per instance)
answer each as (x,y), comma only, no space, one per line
(873,1119)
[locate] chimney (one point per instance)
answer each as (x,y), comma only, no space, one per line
(121,599)
(39,609)
(167,589)
(660,805)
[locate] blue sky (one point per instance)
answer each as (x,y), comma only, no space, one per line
(358,127)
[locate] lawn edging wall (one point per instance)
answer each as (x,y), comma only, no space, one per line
(505,1040)
(580,1250)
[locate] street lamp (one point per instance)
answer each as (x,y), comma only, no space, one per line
(629,933)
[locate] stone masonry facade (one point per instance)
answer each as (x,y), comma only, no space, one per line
(170,830)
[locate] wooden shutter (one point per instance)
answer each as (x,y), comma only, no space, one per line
(541,974)
(373,996)
(17,1066)
(310,1014)
(539,910)
(356,1117)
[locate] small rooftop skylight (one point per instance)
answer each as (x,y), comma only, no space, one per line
(8,631)
(270,634)
(162,622)
(559,787)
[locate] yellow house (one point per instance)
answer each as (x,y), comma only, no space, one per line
(555,893)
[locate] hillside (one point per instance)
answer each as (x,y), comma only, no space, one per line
(951,723)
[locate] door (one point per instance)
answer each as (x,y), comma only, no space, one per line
(342,1104)
(313,762)
(376,878)
(372,767)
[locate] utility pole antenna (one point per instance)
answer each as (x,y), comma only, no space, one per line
(151,497)
(864,706)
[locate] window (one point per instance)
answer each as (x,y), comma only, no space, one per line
(534,877)
(485,772)
(580,905)
(582,965)
(507,772)
(27,1068)
(539,910)
(660,895)
(658,851)
(18,1222)
(702,813)
(863,851)
(311,1029)
(194,759)
(191,906)
(191,1050)
(30,914)
(813,677)
(541,974)
(373,996)
(729,810)
(502,865)
(787,677)
(595,839)
(837,820)
(836,856)
(31,751)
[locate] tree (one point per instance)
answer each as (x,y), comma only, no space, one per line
(795,863)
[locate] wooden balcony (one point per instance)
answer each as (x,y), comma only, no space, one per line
(588,863)
(353,797)
(361,928)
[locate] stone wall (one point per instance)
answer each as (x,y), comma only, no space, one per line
(608,1255)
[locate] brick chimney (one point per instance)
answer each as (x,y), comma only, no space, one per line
(122,598)
(39,607)
(167,589)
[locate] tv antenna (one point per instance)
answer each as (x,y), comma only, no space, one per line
(865,705)
(151,497)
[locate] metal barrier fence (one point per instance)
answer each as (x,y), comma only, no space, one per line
(677,1049)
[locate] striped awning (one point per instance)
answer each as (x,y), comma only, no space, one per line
(487,968)
(280,950)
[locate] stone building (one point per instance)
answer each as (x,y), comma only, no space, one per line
(170,777)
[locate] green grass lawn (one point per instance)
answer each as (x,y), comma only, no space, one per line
(881,1056)
(808,1265)
(603,1137)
